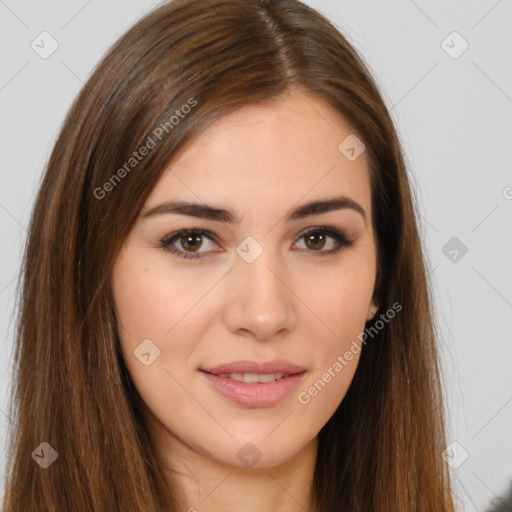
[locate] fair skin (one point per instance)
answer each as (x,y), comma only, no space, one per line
(293,302)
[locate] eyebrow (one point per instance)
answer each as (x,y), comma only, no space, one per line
(204,211)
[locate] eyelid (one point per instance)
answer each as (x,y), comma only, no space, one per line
(167,242)
(342,239)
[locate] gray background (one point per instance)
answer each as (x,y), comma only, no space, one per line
(454,118)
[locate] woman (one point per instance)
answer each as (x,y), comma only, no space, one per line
(225,301)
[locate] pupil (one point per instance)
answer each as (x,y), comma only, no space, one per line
(316,238)
(191,242)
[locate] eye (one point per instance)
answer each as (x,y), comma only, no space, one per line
(317,238)
(187,242)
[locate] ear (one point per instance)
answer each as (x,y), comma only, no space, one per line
(372,310)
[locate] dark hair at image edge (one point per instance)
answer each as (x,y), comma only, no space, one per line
(381,450)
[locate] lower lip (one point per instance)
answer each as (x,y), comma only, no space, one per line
(254,394)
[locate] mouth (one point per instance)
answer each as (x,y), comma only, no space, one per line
(254,390)
(253,378)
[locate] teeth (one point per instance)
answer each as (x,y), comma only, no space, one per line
(271,377)
(253,377)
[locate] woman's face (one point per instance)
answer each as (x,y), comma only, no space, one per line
(266,280)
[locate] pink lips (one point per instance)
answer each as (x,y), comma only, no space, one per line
(255,394)
(278,366)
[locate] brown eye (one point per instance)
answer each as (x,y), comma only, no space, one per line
(315,240)
(191,242)
(324,240)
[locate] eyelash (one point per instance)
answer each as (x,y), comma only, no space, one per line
(166,243)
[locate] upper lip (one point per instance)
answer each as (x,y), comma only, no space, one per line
(245,366)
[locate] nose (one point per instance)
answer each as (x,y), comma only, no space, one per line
(261,302)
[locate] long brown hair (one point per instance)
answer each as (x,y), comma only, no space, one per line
(382,449)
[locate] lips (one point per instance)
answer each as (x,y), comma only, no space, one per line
(254,394)
(254,384)
(254,367)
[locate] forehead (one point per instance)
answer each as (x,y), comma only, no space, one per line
(277,152)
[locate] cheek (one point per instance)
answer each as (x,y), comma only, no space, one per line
(341,303)
(340,300)
(152,306)
(150,301)
(157,328)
